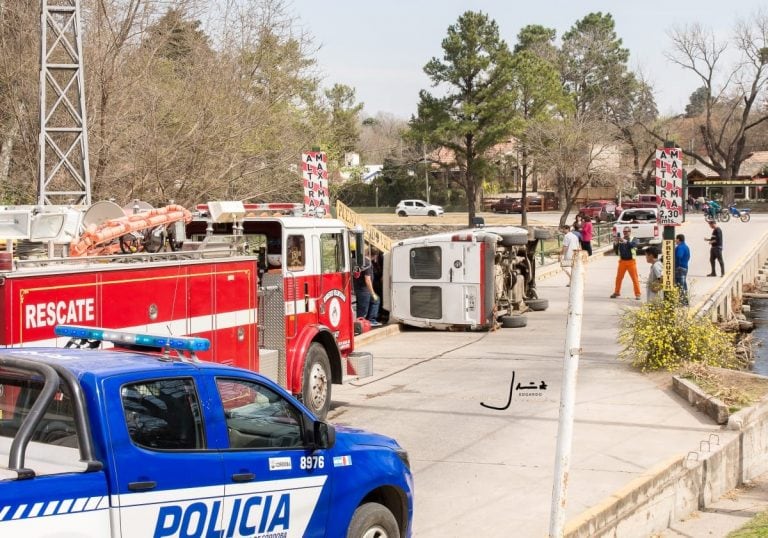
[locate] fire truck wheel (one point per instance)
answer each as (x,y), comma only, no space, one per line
(316,389)
(513,322)
(537,305)
(373,520)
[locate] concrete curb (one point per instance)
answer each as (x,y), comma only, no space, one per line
(616,510)
(377,334)
(702,401)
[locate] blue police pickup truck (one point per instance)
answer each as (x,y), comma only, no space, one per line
(124,443)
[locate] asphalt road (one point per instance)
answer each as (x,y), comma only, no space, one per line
(489,473)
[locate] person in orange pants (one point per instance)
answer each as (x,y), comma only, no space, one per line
(627,264)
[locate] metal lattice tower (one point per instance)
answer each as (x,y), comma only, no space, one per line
(63,143)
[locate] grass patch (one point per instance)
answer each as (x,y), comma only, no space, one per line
(734,388)
(757,527)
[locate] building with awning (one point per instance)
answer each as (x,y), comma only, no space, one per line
(751,183)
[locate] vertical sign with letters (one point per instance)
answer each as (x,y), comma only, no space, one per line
(314,173)
(669,186)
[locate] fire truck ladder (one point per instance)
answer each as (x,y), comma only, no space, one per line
(63,139)
(372,235)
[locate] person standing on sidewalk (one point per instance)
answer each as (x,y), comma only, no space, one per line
(627,264)
(570,245)
(682,257)
(716,248)
(653,286)
(586,235)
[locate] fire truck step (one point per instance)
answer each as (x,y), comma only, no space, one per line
(360,364)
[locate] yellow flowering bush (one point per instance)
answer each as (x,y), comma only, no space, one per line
(662,334)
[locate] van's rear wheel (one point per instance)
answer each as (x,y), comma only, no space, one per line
(373,520)
(316,388)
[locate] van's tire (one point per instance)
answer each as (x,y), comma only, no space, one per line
(513,322)
(514,240)
(541,233)
(316,386)
(373,519)
(402,214)
(537,305)
(431,214)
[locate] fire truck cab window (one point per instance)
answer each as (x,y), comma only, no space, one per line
(258,417)
(331,253)
(164,414)
(426,263)
(295,252)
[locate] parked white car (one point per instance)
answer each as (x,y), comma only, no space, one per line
(410,208)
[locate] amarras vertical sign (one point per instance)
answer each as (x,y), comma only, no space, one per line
(669,186)
(314,173)
(669,189)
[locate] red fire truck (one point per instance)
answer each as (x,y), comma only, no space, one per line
(271,292)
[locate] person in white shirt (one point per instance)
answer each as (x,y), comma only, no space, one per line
(653,286)
(571,244)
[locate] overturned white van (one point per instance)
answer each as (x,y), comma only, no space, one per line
(470,279)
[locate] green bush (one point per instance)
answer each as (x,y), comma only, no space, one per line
(663,334)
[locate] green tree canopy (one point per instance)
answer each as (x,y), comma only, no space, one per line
(593,63)
(344,131)
(697,102)
(475,111)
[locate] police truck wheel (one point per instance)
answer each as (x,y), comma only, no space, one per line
(316,389)
(513,322)
(537,305)
(373,520)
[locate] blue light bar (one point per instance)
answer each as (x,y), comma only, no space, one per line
(184,343)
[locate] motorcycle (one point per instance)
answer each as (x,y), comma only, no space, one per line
(741,214)
(723,214)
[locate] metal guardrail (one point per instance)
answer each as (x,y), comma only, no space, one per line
(371,234)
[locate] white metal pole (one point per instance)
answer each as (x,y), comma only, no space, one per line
(426,171)
(568,395)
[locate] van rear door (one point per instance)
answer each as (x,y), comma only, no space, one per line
(436,283)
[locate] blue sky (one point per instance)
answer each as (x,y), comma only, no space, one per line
(380,48)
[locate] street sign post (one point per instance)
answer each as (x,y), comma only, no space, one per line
(669,189)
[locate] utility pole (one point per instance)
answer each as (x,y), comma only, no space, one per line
(64,175)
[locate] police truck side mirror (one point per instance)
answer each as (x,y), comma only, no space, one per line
(321,435)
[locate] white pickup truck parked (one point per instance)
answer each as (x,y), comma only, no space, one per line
(644,223)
